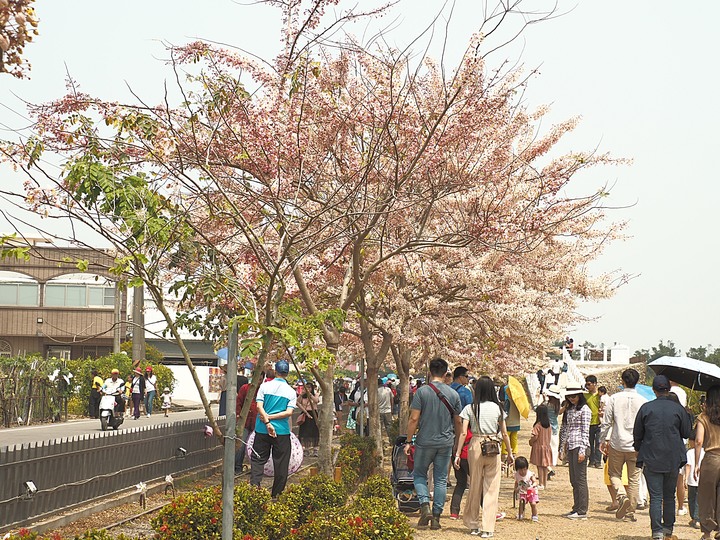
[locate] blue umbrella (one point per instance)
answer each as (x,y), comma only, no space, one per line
(645,391)
(222,354)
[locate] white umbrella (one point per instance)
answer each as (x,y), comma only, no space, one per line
(694,374)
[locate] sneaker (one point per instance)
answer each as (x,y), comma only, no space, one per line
(623,507)
(487,534)
(629,518)
(694,524)
(550,475)
(454,516)
(575,515)
(641,506)
(570,513)
(475,532)
(535,519)
(520,517)
(682,511)
(500,516)
(541,487)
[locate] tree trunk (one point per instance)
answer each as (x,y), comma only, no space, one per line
(402,357)
(325,419)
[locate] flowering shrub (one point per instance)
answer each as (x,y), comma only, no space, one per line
(199,514)
(371,519)
(190,516)
(299,501)
(357,458)
(376,486)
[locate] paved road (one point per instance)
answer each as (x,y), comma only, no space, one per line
(46,432)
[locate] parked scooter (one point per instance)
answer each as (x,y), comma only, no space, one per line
(109,415)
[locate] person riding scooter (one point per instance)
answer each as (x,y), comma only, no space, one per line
(111,401)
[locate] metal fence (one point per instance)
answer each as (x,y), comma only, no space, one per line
(71,471)
(26,402)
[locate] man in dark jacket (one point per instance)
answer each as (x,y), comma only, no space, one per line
(660,427)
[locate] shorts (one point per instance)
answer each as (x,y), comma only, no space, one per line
(529,496)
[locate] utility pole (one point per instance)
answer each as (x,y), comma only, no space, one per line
(138,342)
(116,318)
(228,483)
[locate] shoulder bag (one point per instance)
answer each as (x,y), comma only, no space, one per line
(443,399)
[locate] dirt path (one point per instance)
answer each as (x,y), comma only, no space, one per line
(555,501)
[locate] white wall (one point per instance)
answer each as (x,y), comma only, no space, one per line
(185,387)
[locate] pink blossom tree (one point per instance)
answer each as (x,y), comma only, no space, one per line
(337,189)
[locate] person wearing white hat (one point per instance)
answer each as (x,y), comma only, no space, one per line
(575,442)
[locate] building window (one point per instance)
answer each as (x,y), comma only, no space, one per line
(19,294)
(81,295)
(5,349)
(95,352)
(61,353)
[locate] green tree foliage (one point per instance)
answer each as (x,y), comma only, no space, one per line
(664,349)
(82,370)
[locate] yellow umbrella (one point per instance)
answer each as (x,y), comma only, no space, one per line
(517,394)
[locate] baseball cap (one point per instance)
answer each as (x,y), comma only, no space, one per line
(115,371)
(282,366)
(661,383)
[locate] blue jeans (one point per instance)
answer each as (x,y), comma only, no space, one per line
(149,398)
(241,451)
(661,487)
(440,458)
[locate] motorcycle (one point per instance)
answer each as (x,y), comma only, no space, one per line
(109,415)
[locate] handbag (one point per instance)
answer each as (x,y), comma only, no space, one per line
(301,419)
(489,447)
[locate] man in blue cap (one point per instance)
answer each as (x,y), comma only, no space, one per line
(276,401)
(658,433)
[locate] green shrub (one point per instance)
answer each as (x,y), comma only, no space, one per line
(249,505)
(82,369)
(366,519)
(191,516)
(299,501)
(357,458)
(376,486)
(383,519)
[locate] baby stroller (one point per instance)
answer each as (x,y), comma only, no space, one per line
(402,481)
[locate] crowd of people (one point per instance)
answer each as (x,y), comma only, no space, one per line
(134,395)
(651,450)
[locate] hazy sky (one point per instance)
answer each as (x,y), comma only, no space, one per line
(641,74)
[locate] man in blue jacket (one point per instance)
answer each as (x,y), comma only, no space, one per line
(660,427)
